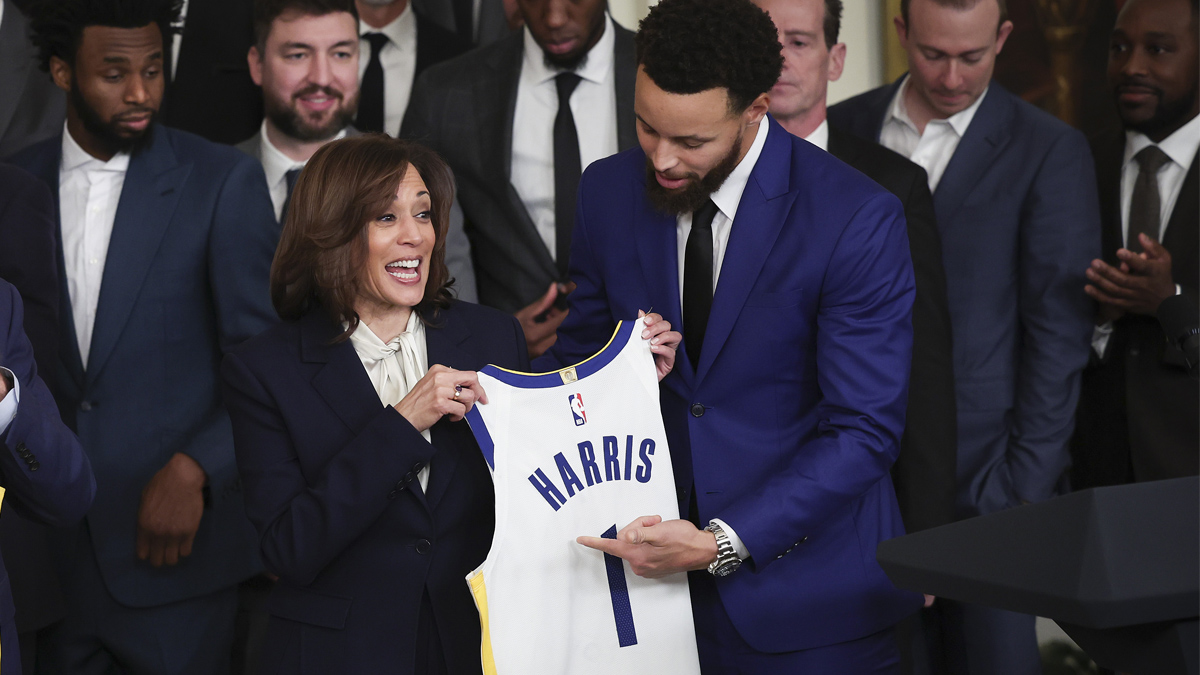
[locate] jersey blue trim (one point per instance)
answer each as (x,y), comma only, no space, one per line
(588,366)
(482,437)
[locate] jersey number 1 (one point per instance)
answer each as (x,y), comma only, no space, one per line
(619,590)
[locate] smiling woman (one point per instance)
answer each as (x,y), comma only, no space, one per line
(371,499)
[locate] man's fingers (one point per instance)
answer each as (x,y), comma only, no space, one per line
(185,549)
(157,551)
(610,546)
(546,300)
(171,553)
(1135,262)
(1100,296)
(143,545)
(1108,285)
(1152,247)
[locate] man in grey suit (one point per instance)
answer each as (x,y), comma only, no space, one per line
(32,108)
(518,120)
(305,58)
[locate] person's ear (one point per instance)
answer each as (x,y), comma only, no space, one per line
(60,72)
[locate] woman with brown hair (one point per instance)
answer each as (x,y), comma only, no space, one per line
(371,498)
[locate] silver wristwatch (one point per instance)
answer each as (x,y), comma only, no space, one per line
(727,560)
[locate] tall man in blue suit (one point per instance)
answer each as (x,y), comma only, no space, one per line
(44,474)
(1015,196)
(165,242)
(789,277)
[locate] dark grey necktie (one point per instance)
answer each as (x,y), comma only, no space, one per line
(698,280)
(567,168)
(290,177)
(1145,209)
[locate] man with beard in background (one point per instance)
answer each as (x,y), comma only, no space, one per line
(1138,413)
(165,244)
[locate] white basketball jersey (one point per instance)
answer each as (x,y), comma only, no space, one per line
(581,451)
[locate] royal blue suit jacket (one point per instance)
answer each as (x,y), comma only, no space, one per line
(185,280)
(330,484)
(45,475)
(1020,223)
(792,420)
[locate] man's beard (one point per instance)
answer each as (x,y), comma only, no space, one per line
(1167,114)
(292,124)
(108,134)
(575,61)
(693,195)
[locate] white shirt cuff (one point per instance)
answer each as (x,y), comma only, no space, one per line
(1100,336)
(738,547)
(1178,289)
(8,405)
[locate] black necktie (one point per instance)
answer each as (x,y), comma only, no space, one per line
(1145,209)
(370,95)
(698,280)
(566,170)
(464,11)
(290,177)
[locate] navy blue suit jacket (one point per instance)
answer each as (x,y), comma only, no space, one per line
(792,420)
(45,475)
(330,484)
(1020,222)
(185,280)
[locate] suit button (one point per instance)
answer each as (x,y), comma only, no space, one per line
(697,410)
(33,466)
(21,448)
(408,477)
(85,406)
(423,546)
(418,466)
(393,494)
(400,486)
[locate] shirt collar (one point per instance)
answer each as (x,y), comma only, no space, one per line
(595,68)
(400,31)
(820,136)
(370,347)
(1180,146)
(75,157)
(959,121)
(275,163)
(729,195)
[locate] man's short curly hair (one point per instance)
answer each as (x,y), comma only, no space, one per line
(58,24)
(690,46)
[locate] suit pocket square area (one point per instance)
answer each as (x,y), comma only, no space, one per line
(308,606)
(776,298)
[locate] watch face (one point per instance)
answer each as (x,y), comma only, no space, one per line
(728,568)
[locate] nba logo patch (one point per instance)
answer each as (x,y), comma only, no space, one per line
(576,401)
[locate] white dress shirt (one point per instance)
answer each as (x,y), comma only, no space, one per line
(396,367)
(1181,148)
(933,149)
(177,38)
(88,193)
(594,107)
(399,60)
(726,198)
(276,165)
(8,404)
(820,136)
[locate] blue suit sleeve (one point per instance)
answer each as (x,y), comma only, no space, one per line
(1059,237)
(46,475)
(240,251)
(863,357)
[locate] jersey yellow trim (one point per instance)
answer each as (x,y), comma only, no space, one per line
(563,370)
(479,590)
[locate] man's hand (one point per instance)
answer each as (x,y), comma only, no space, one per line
(541,320)
(655,548)
(1141,283)
(172,504)
(663,342)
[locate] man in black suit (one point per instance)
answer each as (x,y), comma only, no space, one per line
(812,57)
(32,108)
(1139,413)
(209,91)
(397,44)
(517,146)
